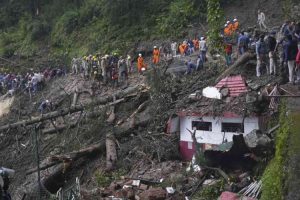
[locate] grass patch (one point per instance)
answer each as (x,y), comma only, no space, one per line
(275,173)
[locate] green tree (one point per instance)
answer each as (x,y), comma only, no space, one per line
(215,17)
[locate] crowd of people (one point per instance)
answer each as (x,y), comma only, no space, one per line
(114,69)
(273,49)
(30,82)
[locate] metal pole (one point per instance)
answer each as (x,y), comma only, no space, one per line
(37,160)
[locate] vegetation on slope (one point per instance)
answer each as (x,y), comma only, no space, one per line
(78,27)
(275,173)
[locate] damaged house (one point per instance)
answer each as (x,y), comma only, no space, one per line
(216,115)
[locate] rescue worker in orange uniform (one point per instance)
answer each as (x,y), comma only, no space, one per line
(230,27)
(141,65)
(235,25)
(226,30)
(196,44)
(156,55)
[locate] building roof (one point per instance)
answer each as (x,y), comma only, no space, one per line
(235,84)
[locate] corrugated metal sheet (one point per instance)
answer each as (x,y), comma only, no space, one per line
(235,84)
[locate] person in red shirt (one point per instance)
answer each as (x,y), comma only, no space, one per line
(196,44)
(228,53)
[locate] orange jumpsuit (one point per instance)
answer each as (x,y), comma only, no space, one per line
(141,64)
(235,26)
(230,27)
(156,54)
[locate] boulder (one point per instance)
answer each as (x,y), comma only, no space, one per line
(153,194)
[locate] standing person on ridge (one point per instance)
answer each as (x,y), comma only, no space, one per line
(271,44)
(203,49)
(174,48)
(156,55)
(261,55)
(290,54)
(261,18)
(235,24)
(140,63)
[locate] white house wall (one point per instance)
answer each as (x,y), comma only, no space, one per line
(215,136)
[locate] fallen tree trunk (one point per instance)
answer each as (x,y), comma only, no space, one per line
(111,152)
(73,156)
(241,60)
(63,112)
(89,115)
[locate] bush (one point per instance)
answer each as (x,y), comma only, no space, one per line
(38,29)
(274,175)
(180,13)
(68,22)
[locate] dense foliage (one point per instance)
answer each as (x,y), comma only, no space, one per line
(215,18)
(274,175)
(78,27)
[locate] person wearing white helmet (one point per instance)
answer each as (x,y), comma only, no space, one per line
(235,25)
(156,55)
(141,64)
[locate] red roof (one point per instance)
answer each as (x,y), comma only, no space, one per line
(235,84)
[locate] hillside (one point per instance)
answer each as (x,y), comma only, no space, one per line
(40,33)
(215,132)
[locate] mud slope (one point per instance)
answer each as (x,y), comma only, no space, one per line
(246,11)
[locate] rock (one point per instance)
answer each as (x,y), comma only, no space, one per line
(143,187)
(251,97)
(153,194)
(126,193)
(224,92)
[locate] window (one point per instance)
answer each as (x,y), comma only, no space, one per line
(233,127)
(202,126)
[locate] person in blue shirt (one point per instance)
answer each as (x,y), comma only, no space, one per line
(243,42)
(290,49)
(261,54)
(190,66)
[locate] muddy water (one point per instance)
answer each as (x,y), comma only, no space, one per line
(5,106)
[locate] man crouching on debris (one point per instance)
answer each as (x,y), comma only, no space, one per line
(45,105)
(5,173)
(190,66)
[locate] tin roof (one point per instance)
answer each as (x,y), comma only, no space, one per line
(235,84)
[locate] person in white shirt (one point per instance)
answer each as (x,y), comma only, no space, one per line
(174,48)
(261,18)
(203,49)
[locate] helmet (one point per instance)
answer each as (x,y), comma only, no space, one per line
(95,72)
(140,55)
(47,101)
(202,38)
(235,20)
(155,47)
(225,25)
(227,22)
